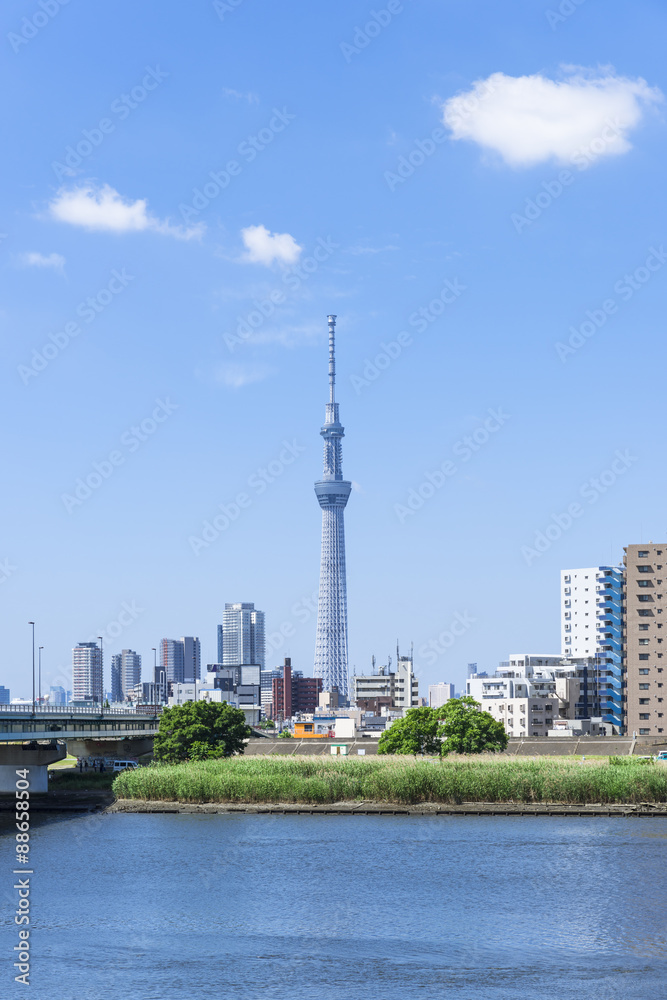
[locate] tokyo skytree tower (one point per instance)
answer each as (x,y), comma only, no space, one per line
(332,493)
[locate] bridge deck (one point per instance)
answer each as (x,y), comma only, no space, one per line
(19,721)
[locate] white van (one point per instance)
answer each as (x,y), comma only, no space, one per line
(124,765)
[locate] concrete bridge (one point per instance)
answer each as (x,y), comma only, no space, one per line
(69,723)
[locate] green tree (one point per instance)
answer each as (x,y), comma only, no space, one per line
(187,730)
(467,729)
(285,734)
(204,751)
(267,724)
(415,733)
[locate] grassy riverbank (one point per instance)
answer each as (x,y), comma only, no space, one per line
(394,779)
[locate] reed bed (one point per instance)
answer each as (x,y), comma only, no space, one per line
(396,780)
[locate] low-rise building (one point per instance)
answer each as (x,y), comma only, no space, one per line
(294,694)
(389,688)
(524,716)
(238,686)
(572,683)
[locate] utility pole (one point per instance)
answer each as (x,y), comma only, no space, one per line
(33,666)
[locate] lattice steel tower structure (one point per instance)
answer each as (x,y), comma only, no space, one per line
(332,493)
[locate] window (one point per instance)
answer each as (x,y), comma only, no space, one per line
(645,613)
(643,583)
(643,656)
(644,628)
(644,716)
(645,598)
(643,642)
(643,670)
(644,732)
(644,701)
(642,554)
(643,687)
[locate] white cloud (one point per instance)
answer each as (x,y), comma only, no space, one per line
(34,259)
(263,247)
(237,375)
(356,251)
(530,119)
(104,209)
(237,95)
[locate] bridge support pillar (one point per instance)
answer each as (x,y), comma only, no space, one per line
(34,759)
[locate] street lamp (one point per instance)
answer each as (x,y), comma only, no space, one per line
(39,687)
(33,666)
(102,672)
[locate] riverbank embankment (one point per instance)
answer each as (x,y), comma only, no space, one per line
(386,809)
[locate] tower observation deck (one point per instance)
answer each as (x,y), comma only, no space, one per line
(332,493)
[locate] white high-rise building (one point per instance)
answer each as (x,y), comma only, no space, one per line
(592,626)
(87,672)
(440,693)
(241,638)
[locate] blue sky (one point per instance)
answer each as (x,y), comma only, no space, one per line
(498,167)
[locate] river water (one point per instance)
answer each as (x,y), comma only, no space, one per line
(173,907)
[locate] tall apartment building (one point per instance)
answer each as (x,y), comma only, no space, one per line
(645,641)
(5,695)
(116,680)
(125,674)
(592,613)
(241,637)
(180,659)
(87,672)
(439,694)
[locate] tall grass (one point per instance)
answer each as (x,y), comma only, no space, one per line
(397,780)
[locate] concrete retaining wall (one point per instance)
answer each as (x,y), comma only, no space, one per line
(545,746)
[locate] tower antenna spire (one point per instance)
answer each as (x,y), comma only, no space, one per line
(332,358)
(332,493)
